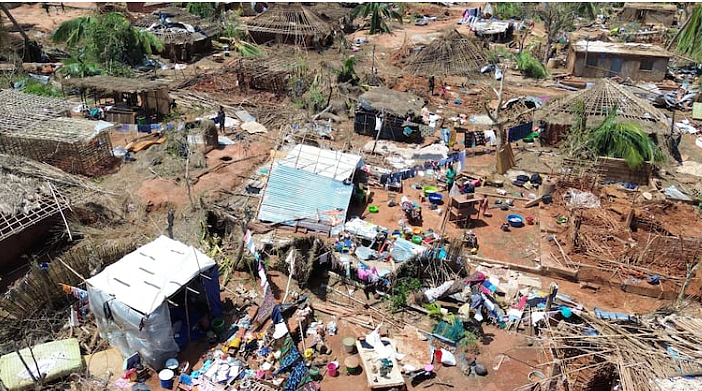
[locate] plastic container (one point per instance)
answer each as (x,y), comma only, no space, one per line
(172,364)
(166,377)
(314,373)
(308,353)
(530,220)
(417,231)
(416,239)
(353,366)
(435,198)
(515,220)
(218,325)
(373,209)
(349,344)
(331,370)
(429,190)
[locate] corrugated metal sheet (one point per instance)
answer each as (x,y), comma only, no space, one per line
(324,162)
(293,194)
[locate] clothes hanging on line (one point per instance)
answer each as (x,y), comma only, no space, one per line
(520,131)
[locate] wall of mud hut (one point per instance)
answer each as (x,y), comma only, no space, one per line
(81,157)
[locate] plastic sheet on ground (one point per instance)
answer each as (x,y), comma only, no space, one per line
(582,199)
(673,192)
(403,250)
(362,228)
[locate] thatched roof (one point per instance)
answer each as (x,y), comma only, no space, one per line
(390,101)
(333,12)
(453,54)
(599,100)
(23,104)
(115,84)
(34,117)
(31,191)
(294,20)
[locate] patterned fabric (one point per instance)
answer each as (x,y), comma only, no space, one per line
(267,305)
(290,355)
(296,376)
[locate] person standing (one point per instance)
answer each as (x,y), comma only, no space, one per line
(450,176)
(45,6)
(220,118)
(443,91)
(431,85)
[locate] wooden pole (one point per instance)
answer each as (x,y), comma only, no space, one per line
(68,229)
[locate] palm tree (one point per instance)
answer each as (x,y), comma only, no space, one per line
(379,12)
(233,30)
(76,66)
(107,38)
(624,140)
(73,31)
(688,40)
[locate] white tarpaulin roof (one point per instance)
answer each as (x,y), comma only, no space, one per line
(144,278)
(323,162)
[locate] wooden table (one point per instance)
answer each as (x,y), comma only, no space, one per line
(369,358)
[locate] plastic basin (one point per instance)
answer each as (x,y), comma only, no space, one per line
(435,198)
(515,220)
(429,190)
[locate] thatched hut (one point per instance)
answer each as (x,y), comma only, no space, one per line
(38,128)
(292,24)
(399,114)
(125,100)
(274,74)
(182,34)
(453,54)
(32,196)
(598,101)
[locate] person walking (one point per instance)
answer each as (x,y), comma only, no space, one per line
(45,6)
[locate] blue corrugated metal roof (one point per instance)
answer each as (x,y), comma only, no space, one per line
(293,194)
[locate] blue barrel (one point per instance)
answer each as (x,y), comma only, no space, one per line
(166,377)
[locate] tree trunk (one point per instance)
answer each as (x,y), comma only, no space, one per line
(547,52)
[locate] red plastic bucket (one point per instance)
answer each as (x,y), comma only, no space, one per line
(331,369)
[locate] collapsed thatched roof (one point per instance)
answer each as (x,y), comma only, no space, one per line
(115,84)
(453,54)
(31,191)
(393,102)
(293,20)
(598,101)
(203,28)
(20,103)
(29,116)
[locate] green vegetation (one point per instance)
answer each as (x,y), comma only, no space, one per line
(35,87)
(109,40)
(497,53)
(233,30)
(401,291)
(76,66)
(689,41)
(347,74)
(379,13)
(624,140)
(203,10)
(509,10)
(470,340)
(530,66)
